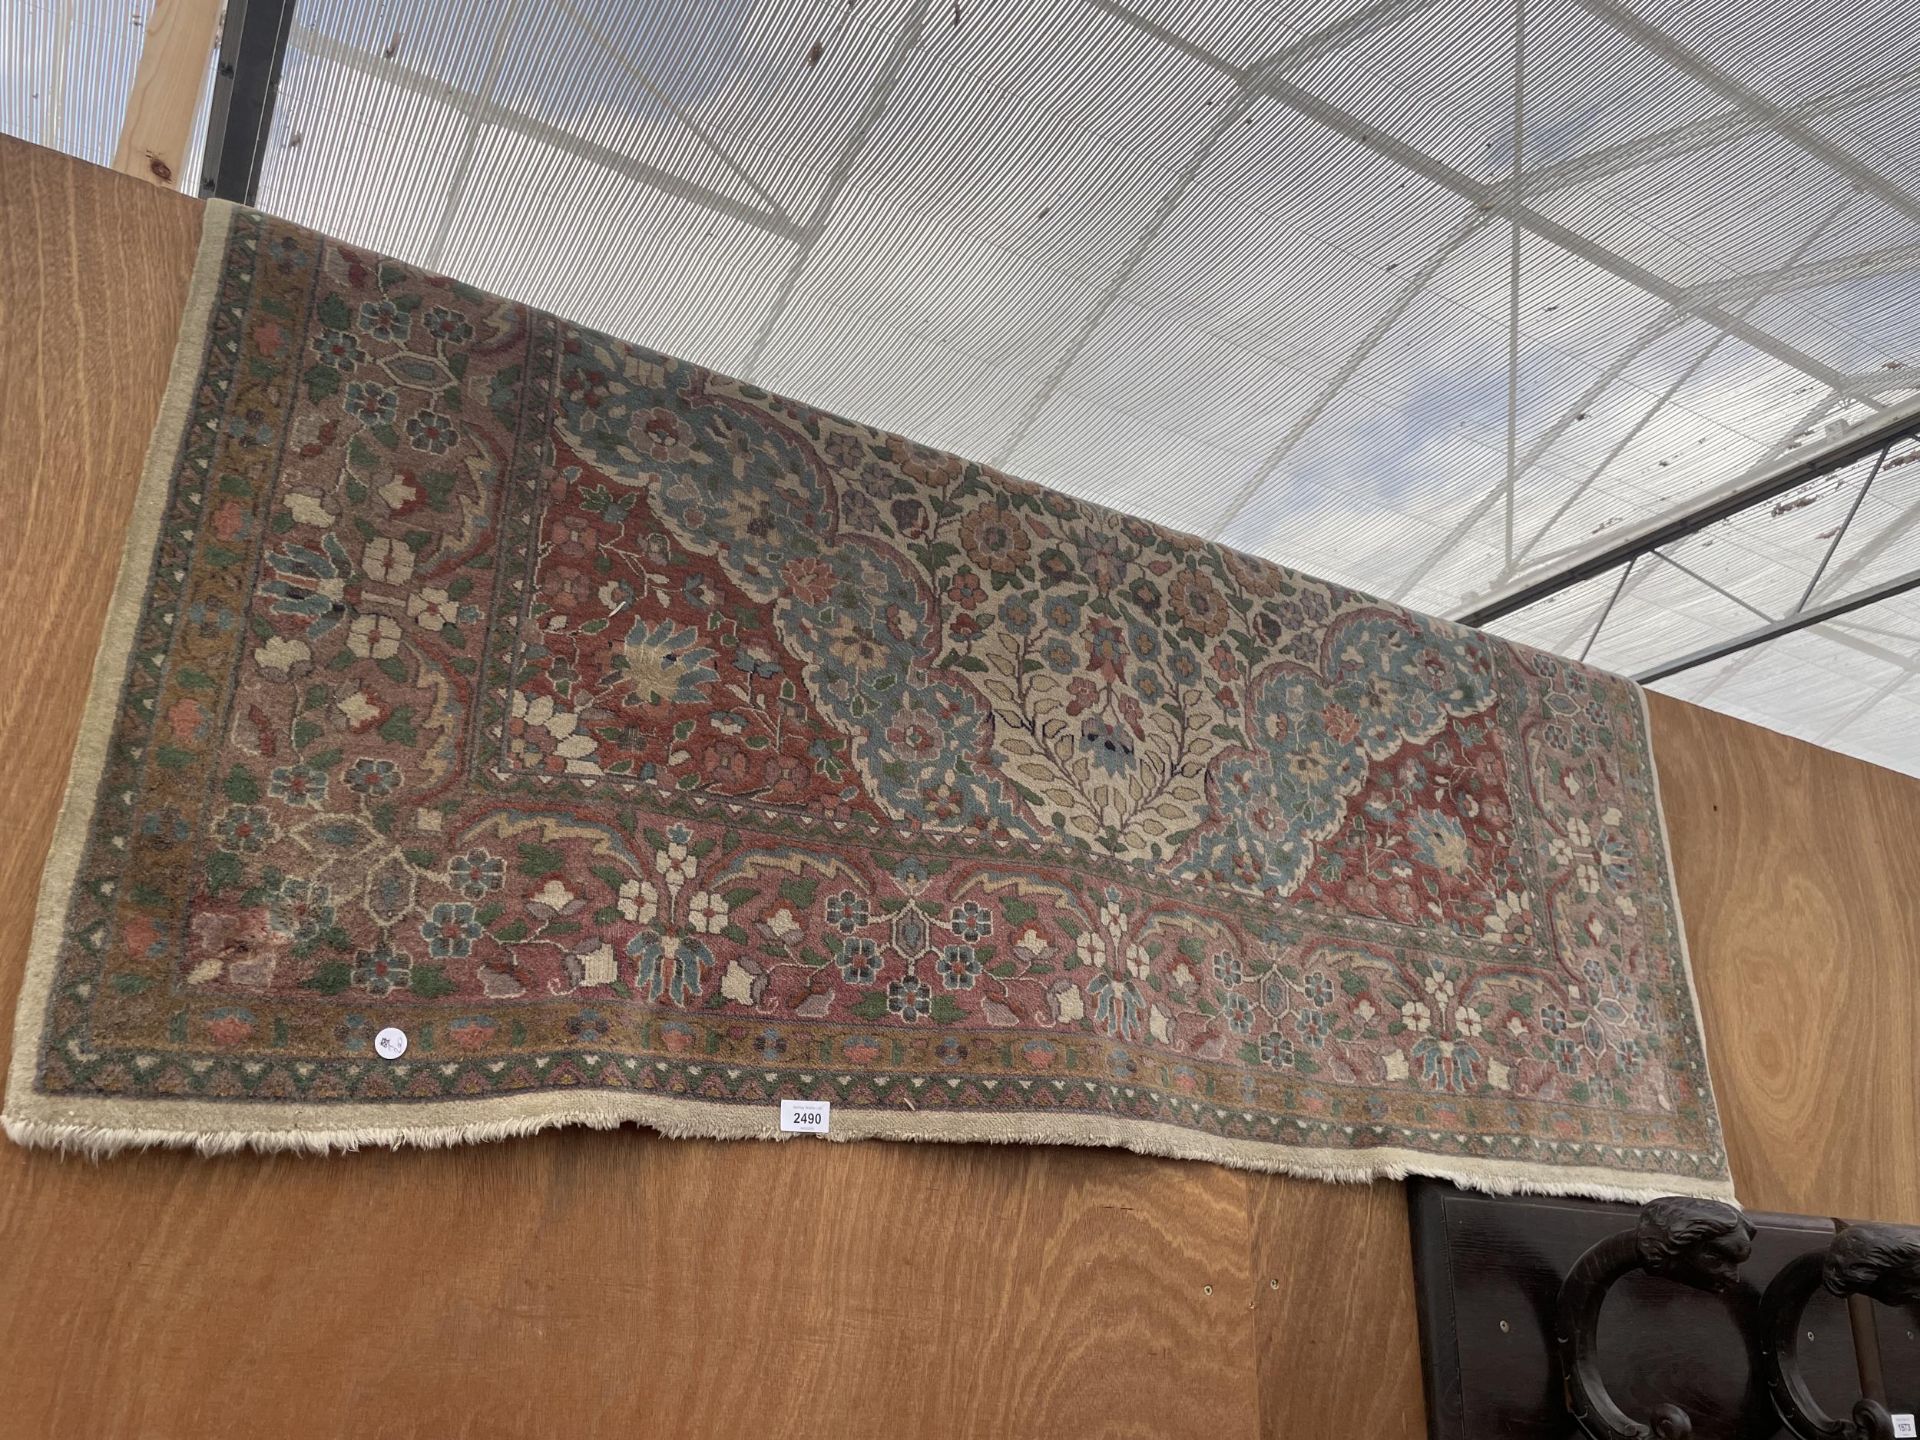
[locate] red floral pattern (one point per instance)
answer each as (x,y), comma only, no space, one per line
(613,724)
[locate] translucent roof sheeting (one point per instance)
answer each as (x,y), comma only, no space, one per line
(1290,277)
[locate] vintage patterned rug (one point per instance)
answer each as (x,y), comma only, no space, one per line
(648,747)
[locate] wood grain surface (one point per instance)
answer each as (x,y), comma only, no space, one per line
(602,1284)
(1799,878)
(1338,1342)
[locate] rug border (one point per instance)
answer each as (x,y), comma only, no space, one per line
(93,1125)
(88,766)
(1680,925)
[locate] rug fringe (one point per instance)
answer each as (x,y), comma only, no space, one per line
(670,1119)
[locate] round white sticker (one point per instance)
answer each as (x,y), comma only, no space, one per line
(391,1043)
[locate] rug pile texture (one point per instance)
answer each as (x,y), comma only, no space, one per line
(648,747)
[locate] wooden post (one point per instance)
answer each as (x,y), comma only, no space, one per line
(166,88)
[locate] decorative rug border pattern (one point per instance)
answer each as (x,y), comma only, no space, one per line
(97,1125)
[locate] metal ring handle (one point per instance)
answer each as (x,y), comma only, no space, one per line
(1881,1262)
(1698,1243)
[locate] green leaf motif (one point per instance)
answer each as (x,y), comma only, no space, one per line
(323,382)
(431,982)
(330,978)
(398,727)
(223,871)
(541,859)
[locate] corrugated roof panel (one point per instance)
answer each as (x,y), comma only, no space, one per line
(1248,269)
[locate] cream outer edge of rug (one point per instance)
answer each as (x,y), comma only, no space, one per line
(99,1127)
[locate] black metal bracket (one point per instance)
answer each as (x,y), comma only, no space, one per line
(1516,1294)
(253,47)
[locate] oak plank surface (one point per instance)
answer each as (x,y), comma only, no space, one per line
(596,1284)
(1335,1333)
(1799,879)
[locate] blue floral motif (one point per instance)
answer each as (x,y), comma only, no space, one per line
(1380,666)
(450,931)
(308,583)
(847,911)
(302,908)
(368,776)
(1059,654)
(1451,1065)
(1439,841)
(972,921)
(958,967)
(666,663)
(768,508)
(671,965)
(859,960)
(1239,1012)
(447,326)
(298,785)
(429,430)
(246,829)
(385,320)
(371,402)
(382,970)
(910,999)
(338,349)
(476,873)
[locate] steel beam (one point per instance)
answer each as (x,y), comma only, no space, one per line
(253,48)
(906,44)
(402,77)
(1778,118)
(1269,82)
(1759,635)
(1303,51)
(1403,300)
(1810,274)
(1812,461)
(1679,141)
